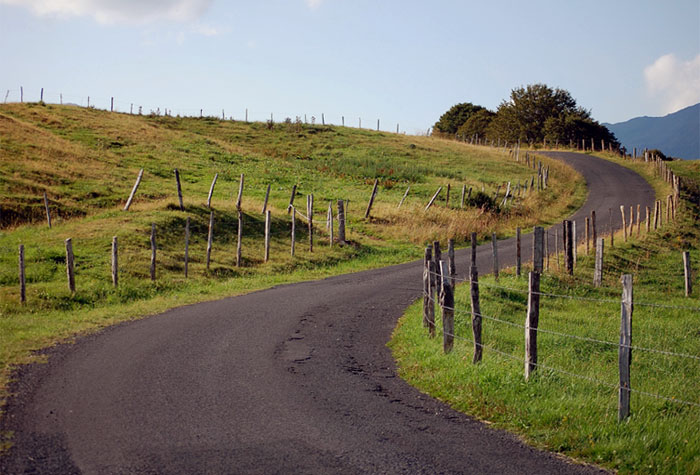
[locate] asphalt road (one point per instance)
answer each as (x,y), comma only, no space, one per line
(293,379)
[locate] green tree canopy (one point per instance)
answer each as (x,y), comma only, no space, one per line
(458,114)
(477,124)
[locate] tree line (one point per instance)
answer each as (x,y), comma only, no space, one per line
(532,114)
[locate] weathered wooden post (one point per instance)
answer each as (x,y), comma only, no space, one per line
(687,274)
(70,265)
(179,189)
(46,207)
(494,249)
(588,236)
(403,198)
(267,235)
(568,247)
(291,199)
(133,190)
(371,198)
(556,247)
(432,200)
(476,312)
(546,250)
(115,262)
(22,276)
(294,219)
(447,196)
(452,267)
(341,222)
(426,286)
(210,237)
(624,223)
(211,190)
(447,303)
(574,242)
(625,351)
(330,223)
(518,253)
(531,323)
(594,231)
(538,249)
(310,214)
(187,246)
(267,197)
(611,229)
(240,221)
(153,251)
(647,222)
(461,201)
(599,254)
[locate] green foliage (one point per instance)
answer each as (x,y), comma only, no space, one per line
(458,114)
(477,124)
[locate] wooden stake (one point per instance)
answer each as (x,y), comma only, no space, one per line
(451,262)
(22,276)
(153,251)
(179,190)
(461,201)
(427,259)
(432,200)
(330,223)
(588,236)
(687,274)
(310,214)
(341,222)
(647,221)
(625,350)
(211,190)
(494,248)
(473,245)
(538,249)
(115,262)
(611,229)
(267,235)
(294,219)
(133,190)
(569,247)
(187,245)
(447,302)
(599,253)
(476,313)
(291,199)
(267,197)
(46,207)
(70,265)
(447,197)
(210,238)
(518,253)
(531,323)
(594,232)
(371,198)
(404,197)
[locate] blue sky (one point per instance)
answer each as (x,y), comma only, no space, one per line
(402,62)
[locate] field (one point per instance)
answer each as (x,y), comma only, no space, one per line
(86,161)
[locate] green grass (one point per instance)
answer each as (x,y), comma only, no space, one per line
(87,160)
(577,415)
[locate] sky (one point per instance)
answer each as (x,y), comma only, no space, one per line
(400,62)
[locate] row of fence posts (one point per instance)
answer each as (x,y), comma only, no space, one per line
(438,285)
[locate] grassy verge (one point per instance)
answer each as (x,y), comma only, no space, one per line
(86,162)
(570,406)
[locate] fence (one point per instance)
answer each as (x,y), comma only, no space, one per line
(439,279)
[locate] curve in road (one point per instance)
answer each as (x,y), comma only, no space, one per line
(296,378)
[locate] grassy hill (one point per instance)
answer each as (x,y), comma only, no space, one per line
(86,161)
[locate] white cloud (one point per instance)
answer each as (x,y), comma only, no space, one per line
(313,4)
(675,83)
(118,11)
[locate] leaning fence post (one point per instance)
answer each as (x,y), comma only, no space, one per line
(403,198)
(686,272)
(341,222)
(179,189)
(531,322)
(133,190)
(371,198)
(432,200)
(518,255)
(451,262)
(153,251)
(447,302)
(494,248)
(46,207)
(476,312)
(267,235)
(426,286)
(22,276)
(625,351)
(598,272)
(211,190)
(210,237)
(70,265)
(187,245)
(115,262)
(291,199)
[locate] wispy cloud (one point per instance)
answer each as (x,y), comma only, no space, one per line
(118,11)
(675,83)
(313,4)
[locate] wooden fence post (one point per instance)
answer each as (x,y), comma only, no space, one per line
(473,245)
(625,351)
(329,223)
(447,302)
(447,196)
(631,221)
(291,199)
(452,267)
(598,272)
(239,210)
(624,223)
(556,247)
(476,312)
(594,231)
(210,237)
(426,286)
(267,235)
(187,245)
(70,265)
(371,198)
(115,262)
(464,192)
(404,198)
(153,251)
(687,274)
(588,236)
(546,250)
(294,219)
(518,253)
(310,214)
(432,200)
(179,189)
(46,207)
(647,223)
(133,190)
(531,323)
(568,247)
(22,276)
(574,243)
(267,197)
(211,190)
(341,222)
(494,248)
(537,249)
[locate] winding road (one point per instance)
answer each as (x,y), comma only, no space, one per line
(293,379)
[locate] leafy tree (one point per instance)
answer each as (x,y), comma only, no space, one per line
(477,124)
(458,114)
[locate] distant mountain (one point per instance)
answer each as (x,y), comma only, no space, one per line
(676,135)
